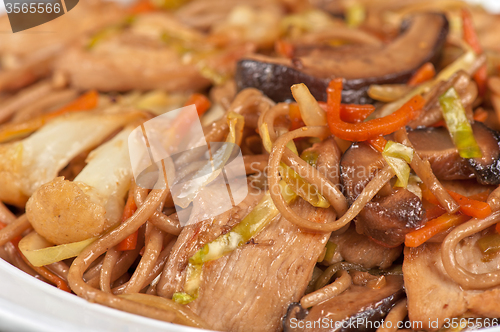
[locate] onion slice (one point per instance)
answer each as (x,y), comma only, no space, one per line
(40,252)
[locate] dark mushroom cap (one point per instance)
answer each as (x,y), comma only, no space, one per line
(421,41)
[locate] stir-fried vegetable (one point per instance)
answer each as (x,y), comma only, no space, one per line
(489,244)
(423,74)
(370,129)
(65,211)
(296,183)
(41,252)
(248,228)
(465,62)
(26,165)
(355,14)
(470,37)
(398,156)
(434,227)
(458,125)
(130,242)
(311,113)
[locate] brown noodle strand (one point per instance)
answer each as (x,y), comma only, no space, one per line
(89,254)
(23,98)
(337,287)
(424,172)
(158,218)
(18,262)
(6,216)
(108,264)
(61,269)
(184,315)
(465,278)
(94,270)
(16,228)
(309,173)
(368,192)
(396,315)
(125,261)
(154,243)
(45,273)
(155,272)
(494,199)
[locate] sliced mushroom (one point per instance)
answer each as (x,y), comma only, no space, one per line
(352,310)
(390,215)
(421,41)
(435,145)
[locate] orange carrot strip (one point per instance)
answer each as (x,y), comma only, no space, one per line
(482,196)
(284,48)
(378,143)
(470,37)
(51,277)
(434,212)
(497,228)
(371,129)
(295,117)
(142,6)
(423,74)
(471,207)
(480,115)
(351,112)
(434,227)
(130,242)
(468,205)
(201,102)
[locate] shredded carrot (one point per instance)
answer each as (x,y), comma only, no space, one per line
(434,212)
(352,113)
(470,37)
(378,143)
(295,117)
(423,74)
(497,227)
(480,115)
(440,123)
(355,113)
(370,129)
(87,101)
(482,196)
(428,195)
(142,6)
(471,207)
(434,227)
(130,242)
(284,48)
(201,102)
(44,272)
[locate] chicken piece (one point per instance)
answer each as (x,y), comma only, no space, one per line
(359,249)
(251,288)
(433,296)
(29,55)
(153,52)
